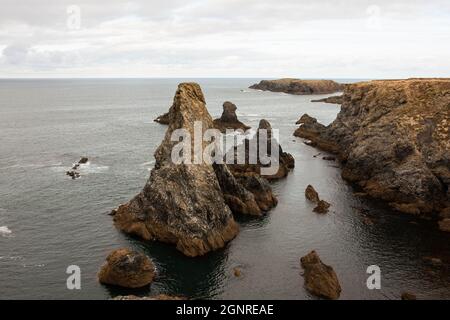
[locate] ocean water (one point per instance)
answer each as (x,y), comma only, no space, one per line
(49,221)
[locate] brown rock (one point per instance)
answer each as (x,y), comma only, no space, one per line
(284,161)
(229,119)
(333,100)
(444,225)
(163,119)
(182,204)
(408,296)
(311,194)
(158,297)
(322,207)
(320,279)
(127,269)
(237,272)
(432,261)
(393,139)
(299,87)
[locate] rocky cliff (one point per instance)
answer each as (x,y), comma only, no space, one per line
(187,204)
(393,140)
(299,87)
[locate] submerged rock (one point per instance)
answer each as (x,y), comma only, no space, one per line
(229,119)
(393,140)
(299,87)
(128,269)
(320,279)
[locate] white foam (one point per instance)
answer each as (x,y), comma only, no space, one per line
(5,231)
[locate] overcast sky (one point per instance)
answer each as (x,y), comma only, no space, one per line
(225,38)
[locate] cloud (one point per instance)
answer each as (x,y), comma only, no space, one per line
(322,38)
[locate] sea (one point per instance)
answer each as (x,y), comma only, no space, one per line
(49,222)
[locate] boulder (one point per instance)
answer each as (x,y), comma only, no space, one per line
(311,194)
(299,87)
(322,207)
(127,268)
(392,137)
(320,279)
(229,119)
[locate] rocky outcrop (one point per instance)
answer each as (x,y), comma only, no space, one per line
(320,279)
(158,297)
(189,205)
(74,174)
(229,119)
(285,161)
(299,87)
(128,269)
(163,119)
(333,100)
(392,138)
(312,195)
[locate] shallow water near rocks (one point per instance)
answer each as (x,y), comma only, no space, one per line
(54,221)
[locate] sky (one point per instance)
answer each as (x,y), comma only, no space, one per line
(225,38)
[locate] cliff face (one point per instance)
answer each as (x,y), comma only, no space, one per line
(393,139)
(299,87)
(187,204)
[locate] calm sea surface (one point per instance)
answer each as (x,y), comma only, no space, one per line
(48,221)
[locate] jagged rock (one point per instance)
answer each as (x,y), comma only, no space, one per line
(333,100)
(322,207)
(187,204)
(285,161)
(260,188)
(444,225)
(311,194)
(163,119)
(392,137)
(320,279)
(158,297)
(183,203)
(73,174)
(229,119)
(128,269)
(408,296)
(299,87)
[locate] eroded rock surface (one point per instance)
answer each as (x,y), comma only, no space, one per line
(299,87)
(189,205)
(163,119)
(128,269)
(229,119)
(392,138)
(320,279)
(285,161)
(332,100)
